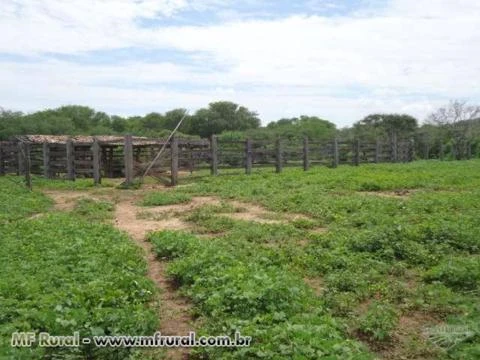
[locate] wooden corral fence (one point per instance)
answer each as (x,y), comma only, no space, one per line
(128,157)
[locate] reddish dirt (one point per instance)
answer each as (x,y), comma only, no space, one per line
(138,221)
(174,310)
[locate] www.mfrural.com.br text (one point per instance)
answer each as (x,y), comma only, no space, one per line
(43,339)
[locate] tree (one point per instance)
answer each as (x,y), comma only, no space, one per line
(311,126)
(119,124)
(173,117)
(222,116)
(460,124)
(389,125)
(9,123)
(81,116)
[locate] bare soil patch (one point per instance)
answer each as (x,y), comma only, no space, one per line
(175,317)
(316,284)
(409,340)
(396,194)
(138,221)
(65,200)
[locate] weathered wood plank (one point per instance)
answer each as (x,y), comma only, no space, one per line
(128,159)
(248,156)
(70,160)
(214,155)
(28,177)
(306,162)
(97,179)
(174,163)
(278,155)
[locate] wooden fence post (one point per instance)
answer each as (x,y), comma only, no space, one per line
(214,155)
(128,159)
(26,153)
(377,151)
(426,151)
(278,155)
(46,160)
(2,165)
(174,163)
(394,144)
(248,156)
(97,179)
(70,150)
(411,150)
(442,151)
(20,159)
(306,162)
(191,162)
(336,155)
(356,152)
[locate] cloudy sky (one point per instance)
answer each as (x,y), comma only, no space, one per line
(339,60)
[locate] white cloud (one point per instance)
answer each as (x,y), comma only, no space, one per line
(409,56)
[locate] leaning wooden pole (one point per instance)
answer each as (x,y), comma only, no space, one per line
(149,167)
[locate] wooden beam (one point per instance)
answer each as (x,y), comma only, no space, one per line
(46,160)
(306,162)
(97,179)
(356,152)
(174,164)
(191,162)
(426,154)
(336,155)
(26,153)
(248,156)
(394,145)
(2,163)
(377,151)
(278,156)
(20,159)
(70,150)
(128,159)
(214,155)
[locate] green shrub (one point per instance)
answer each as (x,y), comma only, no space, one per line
(172,244)
(62,274)
(17,201)
(460,273)
(94,210)
(379,321)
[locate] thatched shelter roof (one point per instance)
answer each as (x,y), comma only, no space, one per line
(114,140)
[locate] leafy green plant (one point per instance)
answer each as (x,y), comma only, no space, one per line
(379,321)
(459,273)
(63,273)
(94,210)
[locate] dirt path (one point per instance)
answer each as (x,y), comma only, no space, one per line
(174,310)
(138,221)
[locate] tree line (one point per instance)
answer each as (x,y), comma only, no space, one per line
(453,130)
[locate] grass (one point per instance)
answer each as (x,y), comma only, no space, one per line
(384,261)
(93,210)
(165,198)
(63,184)
(18,202)
(66,272)
(399,255)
